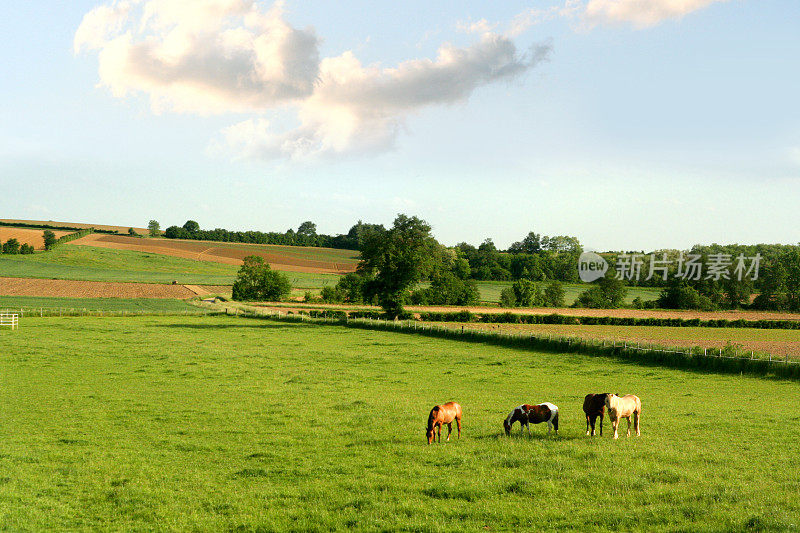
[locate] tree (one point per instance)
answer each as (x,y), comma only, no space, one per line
(11,246)
(132,232)
(554,294)
(307,229)
(257,281)
(507,298)
(680,295)
(49,239)
(447,289)
(351,287)
(191,226)
(398,258)
(526,293)
(154,227)
(607,293)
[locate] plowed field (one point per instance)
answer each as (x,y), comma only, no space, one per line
(341,261)
(89,289)
(27,235)
(76,225)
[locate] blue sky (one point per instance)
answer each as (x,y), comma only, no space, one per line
(630,124)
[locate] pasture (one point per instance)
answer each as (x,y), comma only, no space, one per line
(490,291)
(35,305)
(223,423)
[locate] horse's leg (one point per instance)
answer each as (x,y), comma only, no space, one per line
(440,433)
(614,424)
(449,430)
(601,425)
(587,427)
(629,425)
(458,425)
(636,422)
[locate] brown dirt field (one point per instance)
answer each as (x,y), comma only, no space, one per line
(76,225)
(27,235)
(89,289)
(206,251)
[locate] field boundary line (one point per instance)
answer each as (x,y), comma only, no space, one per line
(726,360)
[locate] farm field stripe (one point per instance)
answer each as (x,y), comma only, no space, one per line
(90,289)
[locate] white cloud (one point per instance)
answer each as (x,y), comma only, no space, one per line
(224,56)
(361,109)
(201,56)
(641,13)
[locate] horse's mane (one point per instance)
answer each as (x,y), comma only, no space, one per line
(432,417)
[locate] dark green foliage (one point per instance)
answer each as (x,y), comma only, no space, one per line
(553,295)
(11,246)
(26,249)
(154,228)
(191,227)
(257,281)
(526,293)
(132,232)
(606,293)
(352,287)
(331,295)
(306,235)
(679,295)
(447,289)
(398,258)
(507,298)
(49,239)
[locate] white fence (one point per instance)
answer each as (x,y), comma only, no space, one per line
(9,319)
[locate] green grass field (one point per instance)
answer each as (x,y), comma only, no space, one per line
(219,423)
(88,263)
(32,304)
(490,291)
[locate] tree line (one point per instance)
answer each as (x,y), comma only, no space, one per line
(305,235)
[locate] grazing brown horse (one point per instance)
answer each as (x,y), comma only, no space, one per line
(594,405)
(624,407)
(534,414)
(443,414)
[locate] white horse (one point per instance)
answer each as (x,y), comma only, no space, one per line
(624,407)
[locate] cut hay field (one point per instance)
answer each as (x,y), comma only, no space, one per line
(224,423)
(287,258)
(64,288)
(778,342)
(34,237)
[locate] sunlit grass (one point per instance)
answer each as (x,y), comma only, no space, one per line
(219,423)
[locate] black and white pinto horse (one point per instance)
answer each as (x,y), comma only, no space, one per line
(532,414)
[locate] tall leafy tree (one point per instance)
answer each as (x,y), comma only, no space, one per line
(49,239)
(154,228)
(398,258)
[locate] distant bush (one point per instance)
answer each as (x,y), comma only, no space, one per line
(507,298)
(447,289)
(257,281)
(11,246)
(49,239)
